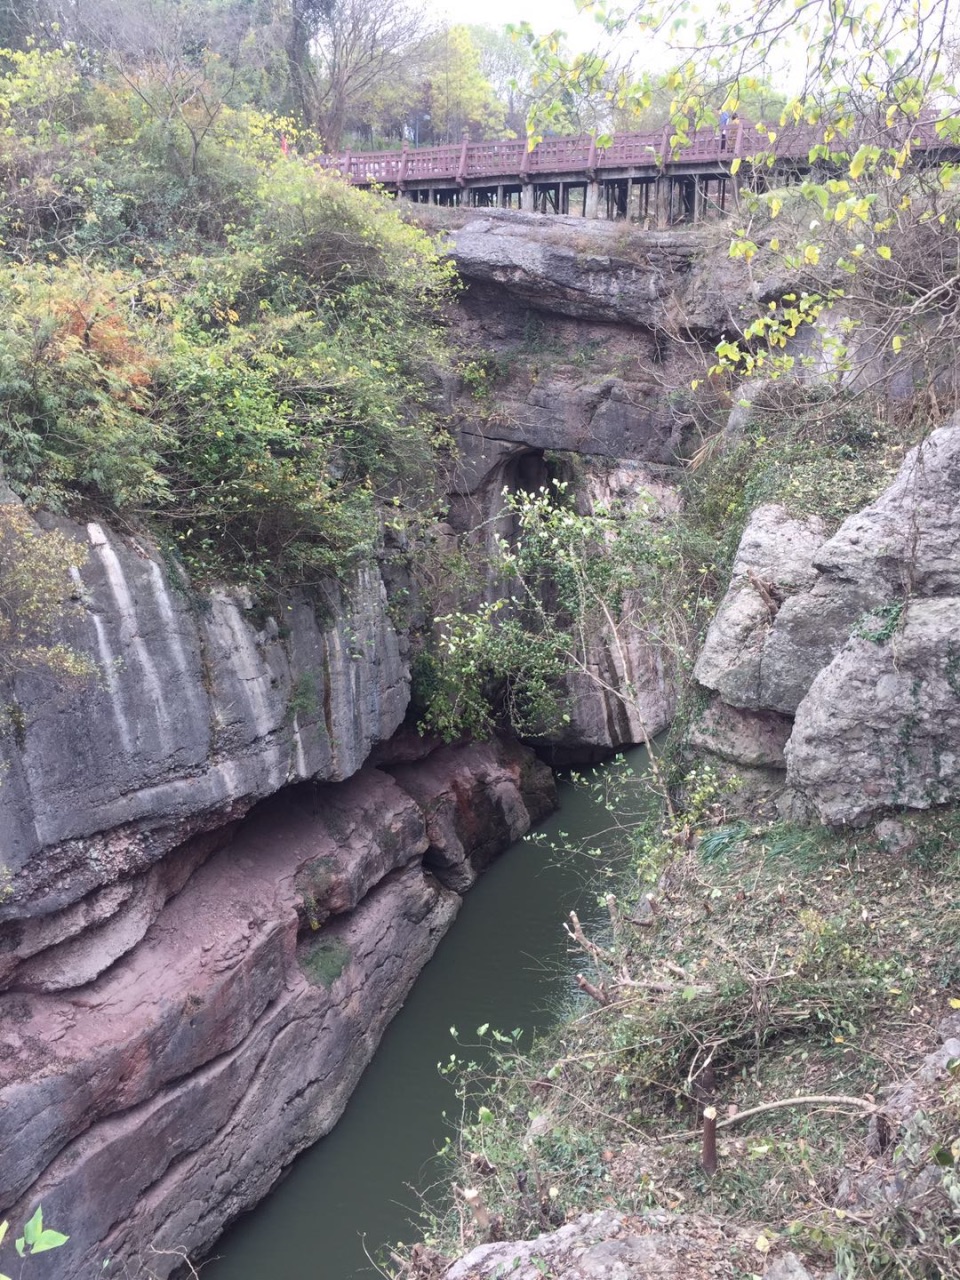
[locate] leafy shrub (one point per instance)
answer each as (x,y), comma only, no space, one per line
(34,568)
(201,333)
(75,377)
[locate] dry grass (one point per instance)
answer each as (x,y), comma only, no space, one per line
(776,963)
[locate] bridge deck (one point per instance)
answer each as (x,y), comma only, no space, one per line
(685,182)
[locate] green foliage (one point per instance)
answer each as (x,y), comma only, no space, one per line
(202,333)
(303,699)
(34,588)
(881,623)
(323,960)
(779,958)
(568,580)
(810,449)
(489,670)
(75,373)
(36,1237)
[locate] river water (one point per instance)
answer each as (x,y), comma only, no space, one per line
(504,962)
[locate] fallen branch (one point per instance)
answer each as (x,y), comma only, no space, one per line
(595,993)
(805,1100)
(575,932)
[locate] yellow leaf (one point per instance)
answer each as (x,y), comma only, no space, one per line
(811,254)
(897,343)
(735,167)
(762,1244)
(955,1004)
(884,252)
(774,244)
(859,162)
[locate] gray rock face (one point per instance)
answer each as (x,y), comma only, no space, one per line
(612,1246)
(881,724)
(572,267)
(750,657)
(152,1104)
(883,715)
(906,542)
(876,719)
(610,418)
(196,714)
(752,738)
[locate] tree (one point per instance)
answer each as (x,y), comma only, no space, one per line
(865,247)
(459,97)
(355,45)
(570,585)
(19,20)
(505,63)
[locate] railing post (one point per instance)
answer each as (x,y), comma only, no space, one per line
(525,163)
(527,192)
(462,166)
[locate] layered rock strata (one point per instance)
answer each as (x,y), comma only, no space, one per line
(199,709)
(572,267)
(580,344)
(189,994)
(148,1107)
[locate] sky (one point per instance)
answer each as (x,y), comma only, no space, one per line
(543,15)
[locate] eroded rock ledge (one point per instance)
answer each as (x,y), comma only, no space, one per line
(151,1105)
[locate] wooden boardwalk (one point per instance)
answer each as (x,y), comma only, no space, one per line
(638,176)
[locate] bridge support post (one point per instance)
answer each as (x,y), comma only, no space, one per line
(528,198)
(591,200)
(500,196)
(661,201)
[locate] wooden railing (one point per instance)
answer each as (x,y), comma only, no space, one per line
(580,158)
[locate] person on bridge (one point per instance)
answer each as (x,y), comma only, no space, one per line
(724,126)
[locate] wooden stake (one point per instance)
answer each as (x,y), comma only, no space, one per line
(708,1156)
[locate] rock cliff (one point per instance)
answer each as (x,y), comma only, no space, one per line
(836,658)
(579,343)
(188,998)
(223,867)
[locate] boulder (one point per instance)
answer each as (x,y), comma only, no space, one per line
(880,725)
(855,635)
(752,738)
(773,563)
(611,1246)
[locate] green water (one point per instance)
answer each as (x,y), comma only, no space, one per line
(504,962)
